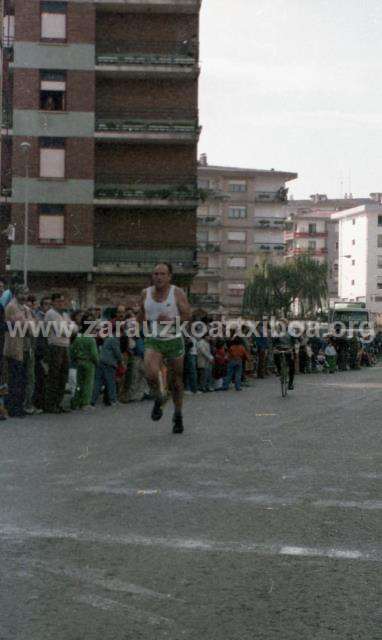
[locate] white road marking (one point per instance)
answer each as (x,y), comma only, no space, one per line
(350,504)
(194,544)
(106,604)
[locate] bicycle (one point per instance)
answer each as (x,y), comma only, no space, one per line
(284,371)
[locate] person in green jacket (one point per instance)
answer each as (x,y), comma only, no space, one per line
(84,355)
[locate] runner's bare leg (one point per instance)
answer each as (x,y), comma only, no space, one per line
(177,389)
(153,363)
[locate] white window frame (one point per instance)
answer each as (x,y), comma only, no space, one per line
(237,186)
(53,26)
(237,262)
(237,213)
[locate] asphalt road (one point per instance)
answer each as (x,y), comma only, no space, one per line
(262,521)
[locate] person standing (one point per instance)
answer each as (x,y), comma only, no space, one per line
(110,357)
(205,361)
(84,354)
(237,356)
(15,346)
(41,349)
(162,305)
(58,353)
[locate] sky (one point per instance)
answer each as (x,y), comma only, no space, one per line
(295,85)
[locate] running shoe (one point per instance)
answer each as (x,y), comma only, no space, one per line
(177,422)
(157,412)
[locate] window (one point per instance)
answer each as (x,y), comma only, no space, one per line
(336,245)
(53,21)
(353,221)
(353,263)
(378,298)
(52,158)
(353,283)
(236,289)
(53,90)
(236,213)
(237,263)
(379,241)
(51,224)
(312,228)
(353,242)
(237,236)
(379,285)
(203,183)
(380,221)
(237,186)
(312,245)
(379,263)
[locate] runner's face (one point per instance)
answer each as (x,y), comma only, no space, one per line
(161,277)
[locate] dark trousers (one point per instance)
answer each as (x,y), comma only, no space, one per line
(17,381)
(191,373)
(58,363)
(290,362)
(261,362)
(39,385)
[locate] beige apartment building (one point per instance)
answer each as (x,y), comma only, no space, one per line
(240,224)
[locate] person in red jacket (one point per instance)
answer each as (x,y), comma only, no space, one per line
(237,356)
(220,364)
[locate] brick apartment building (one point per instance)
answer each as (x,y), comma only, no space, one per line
(240,224)
(106,95)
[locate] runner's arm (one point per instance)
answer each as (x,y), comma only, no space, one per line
(183,305)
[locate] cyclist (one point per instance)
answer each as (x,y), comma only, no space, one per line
(285,342)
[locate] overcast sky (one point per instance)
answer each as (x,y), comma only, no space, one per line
(295,85)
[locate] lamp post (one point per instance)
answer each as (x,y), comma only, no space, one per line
(26,147)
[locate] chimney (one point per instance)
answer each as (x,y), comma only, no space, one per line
(203,160)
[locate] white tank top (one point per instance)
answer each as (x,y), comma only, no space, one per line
(168,307)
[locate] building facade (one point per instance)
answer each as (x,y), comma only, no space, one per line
(360,251)
(106,96)
(240,224)
(312,230)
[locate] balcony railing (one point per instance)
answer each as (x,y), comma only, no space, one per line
(209,221)
(7,119)
(144,260)
(305,234)
(125,186)
(147,53)
(209,272)
(209,247)
(308,252)
(204,299)
(166,121)
(272,223)
(272,196)
(269,246)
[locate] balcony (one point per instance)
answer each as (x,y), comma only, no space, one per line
(214,194)
(209,272)
(291,252)
(167,126)
(144,190)
(180,6)
(6,121)
(291,235)
(148,59)
(268,247)
(272,196)
(271,223)
(209,300)
(209,221)
(208,247)
(121,259)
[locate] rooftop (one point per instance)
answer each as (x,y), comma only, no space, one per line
(357,211)
(287,175)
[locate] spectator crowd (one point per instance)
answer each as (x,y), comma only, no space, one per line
(68,370)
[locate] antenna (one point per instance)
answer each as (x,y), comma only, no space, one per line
(350,191)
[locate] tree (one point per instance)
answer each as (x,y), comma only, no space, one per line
(272,289)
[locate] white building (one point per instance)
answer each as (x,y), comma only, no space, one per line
(360,255)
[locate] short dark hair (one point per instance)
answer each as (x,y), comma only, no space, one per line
(168,265)
(44,299)
(56,296)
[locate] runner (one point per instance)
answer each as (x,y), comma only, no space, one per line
(161,305)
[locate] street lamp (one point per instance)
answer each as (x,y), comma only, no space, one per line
(26,147)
